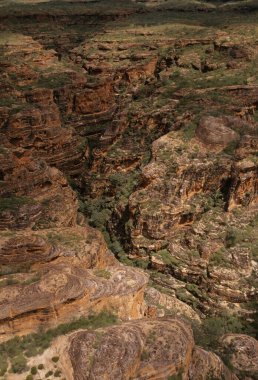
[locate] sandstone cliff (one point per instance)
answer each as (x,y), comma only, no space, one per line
(128,136)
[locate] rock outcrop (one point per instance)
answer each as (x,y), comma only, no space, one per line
(52,259)
(207,365)
(243,353)
(147,349)
(146,130)
(54,267)
(213,131)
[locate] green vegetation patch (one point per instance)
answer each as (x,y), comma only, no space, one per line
(6,101)
(167,257)
(178,376)
(103,273)
(54,80)
(221,258)
(208,334)
(185,296)
(67,239)
(19,363)
(33,370)
(17,350)
(12,203)
(3,366)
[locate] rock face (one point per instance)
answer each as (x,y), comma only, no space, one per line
(133,351)
(169,214)
(146,130)
(213,131)
(36,196)
(145,349)
(61,292)
(244,353)
(53,259)
(54,267)
(169,303)
(207,365)
(96,100)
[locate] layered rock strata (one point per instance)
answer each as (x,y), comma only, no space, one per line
(150,349)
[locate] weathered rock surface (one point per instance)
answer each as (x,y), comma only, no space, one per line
(164,303)
(82,100)
(134,350)
(36,196)
(53,264)
(64,291)
(145,349)
(244,353)
(174,201)
(213,131)
(52,269)
(207,365)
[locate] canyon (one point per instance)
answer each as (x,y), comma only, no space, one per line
(128,190)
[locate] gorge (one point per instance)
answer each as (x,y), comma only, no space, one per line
(128,190)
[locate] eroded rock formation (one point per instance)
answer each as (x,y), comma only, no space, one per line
(147,131)
(145,349)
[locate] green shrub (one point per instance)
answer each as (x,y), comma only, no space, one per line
(189,131)
(207,335)
(12,203)
(8,281)
(141,263)
(40,366)
(55,359)
(116,247)
(29,377)
(144,91)
(20,268)
(220,258)
(11,281)
(186,297)
(49,373)
(231,238)
(231,148)
(175,377)
(33,370)
(19,364)
(145,355)
(196,291)
(167,257)
(35,344)
(254,251)
(11,348)
(3,150)
(214,200)
(7,101)
(54,80)
(69,240)
(3,365)
(33,279)
(103,273)
(57,373)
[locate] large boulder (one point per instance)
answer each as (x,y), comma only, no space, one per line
(244,352)
(215,132)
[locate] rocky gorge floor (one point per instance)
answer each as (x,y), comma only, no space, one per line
(128,190)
